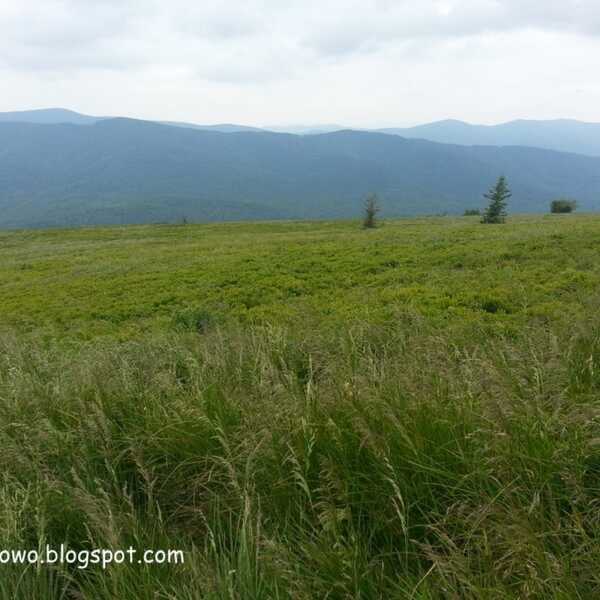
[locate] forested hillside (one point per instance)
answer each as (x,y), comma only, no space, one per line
(127,171)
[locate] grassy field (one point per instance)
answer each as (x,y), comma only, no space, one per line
(308,410)
(124,281)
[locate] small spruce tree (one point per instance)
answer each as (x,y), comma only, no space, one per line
(370,212)
(498,196)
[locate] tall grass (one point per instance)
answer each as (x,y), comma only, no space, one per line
(397,462)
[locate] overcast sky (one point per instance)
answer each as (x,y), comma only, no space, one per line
(363,63)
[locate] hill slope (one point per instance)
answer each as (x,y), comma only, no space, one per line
(122,171)
(48,116)
(303,410)
(222,127)
(564,135)
(57,116)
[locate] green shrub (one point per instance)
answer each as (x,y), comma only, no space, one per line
(563,205)
(193,319)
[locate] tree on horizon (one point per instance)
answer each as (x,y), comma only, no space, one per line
(370,211)
(498,197)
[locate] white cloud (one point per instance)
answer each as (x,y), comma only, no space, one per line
(369,62)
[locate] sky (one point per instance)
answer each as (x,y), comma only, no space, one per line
(366,63)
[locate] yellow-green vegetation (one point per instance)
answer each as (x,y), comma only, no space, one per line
(123,281)
(308,410)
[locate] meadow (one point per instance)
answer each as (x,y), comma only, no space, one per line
(308,410)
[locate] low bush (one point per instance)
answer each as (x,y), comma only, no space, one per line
(563,205)
(193,319)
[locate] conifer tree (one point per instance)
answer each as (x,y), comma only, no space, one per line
(498,196)
(371,210)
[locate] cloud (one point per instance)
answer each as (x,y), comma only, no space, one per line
(59,34)
(365,26)
(261,57)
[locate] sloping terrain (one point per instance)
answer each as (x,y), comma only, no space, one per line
(563,135)
(124,171)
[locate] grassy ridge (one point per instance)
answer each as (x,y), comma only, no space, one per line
(423,431)
(121,281)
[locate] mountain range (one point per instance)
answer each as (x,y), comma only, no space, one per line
(562,135)
(59,168)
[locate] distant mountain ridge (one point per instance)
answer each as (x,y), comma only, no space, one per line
(309,129)
(56,116)
(60,116)
(129,171)
(222,127)
(48,116)
(563,135)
